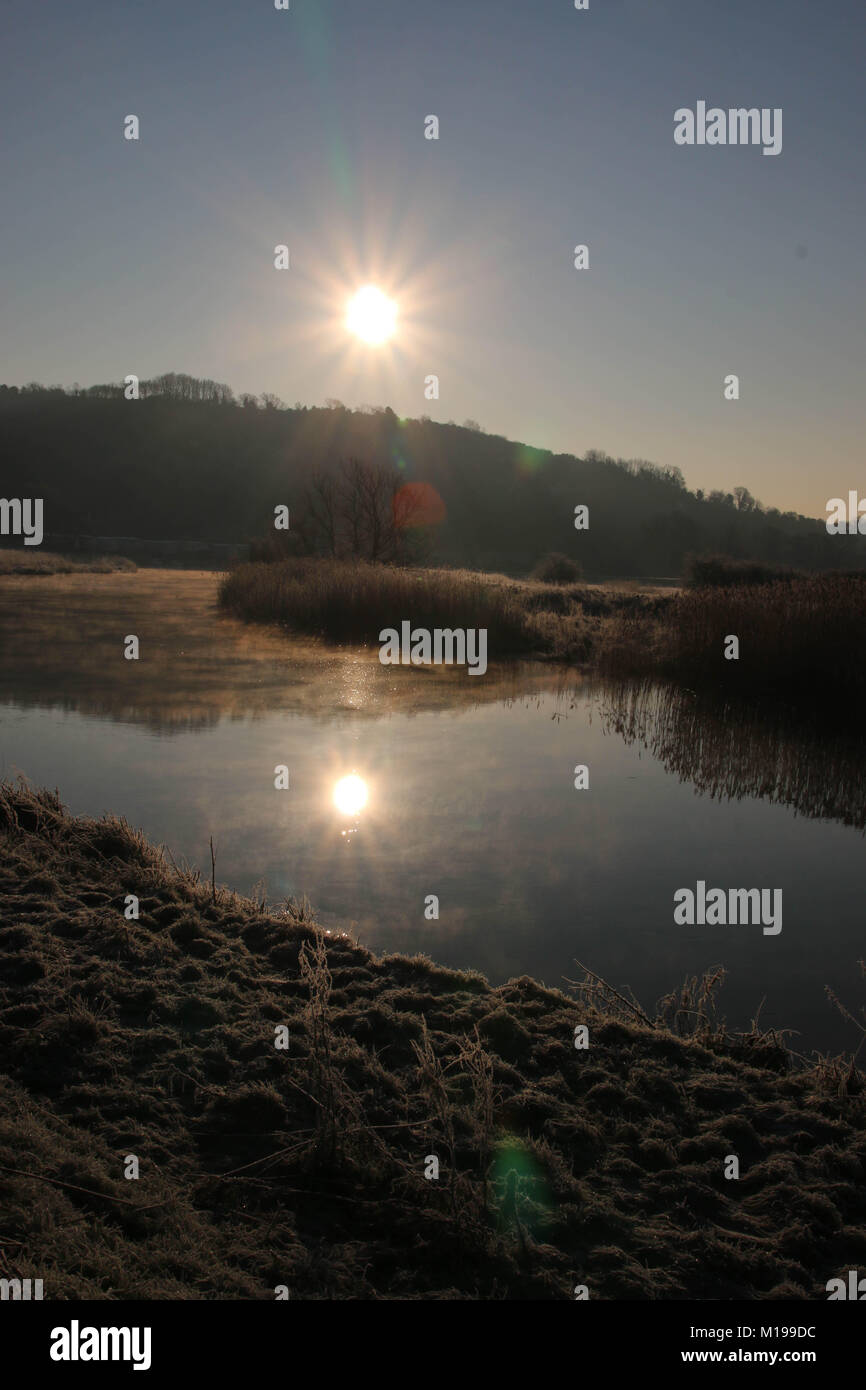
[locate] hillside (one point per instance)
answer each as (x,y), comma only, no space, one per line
(188,463)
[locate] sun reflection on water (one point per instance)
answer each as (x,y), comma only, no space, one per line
(350,794)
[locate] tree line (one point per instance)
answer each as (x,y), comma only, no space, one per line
(190,461)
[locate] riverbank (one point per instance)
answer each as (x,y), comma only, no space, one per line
(304,1166)
(799,639)
(348,602)
(33,562)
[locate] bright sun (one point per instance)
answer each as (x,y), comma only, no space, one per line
(350,795)
(371,315)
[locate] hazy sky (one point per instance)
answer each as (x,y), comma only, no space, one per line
(306,127)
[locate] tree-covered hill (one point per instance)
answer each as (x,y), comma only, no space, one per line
(189,462)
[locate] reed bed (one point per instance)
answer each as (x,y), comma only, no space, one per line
(800,640)
(350,602)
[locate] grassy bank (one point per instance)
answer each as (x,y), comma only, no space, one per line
(353,602)
(45,562)
(802,638)
(345,602)
(304,1166)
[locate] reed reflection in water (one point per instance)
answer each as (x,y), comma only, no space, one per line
(731,751)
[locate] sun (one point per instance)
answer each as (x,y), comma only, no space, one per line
(350,795)
(371,315)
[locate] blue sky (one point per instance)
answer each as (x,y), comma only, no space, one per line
(306,127)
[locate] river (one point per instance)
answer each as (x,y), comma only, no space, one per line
(470,796)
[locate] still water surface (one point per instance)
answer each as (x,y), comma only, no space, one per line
(470,796)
